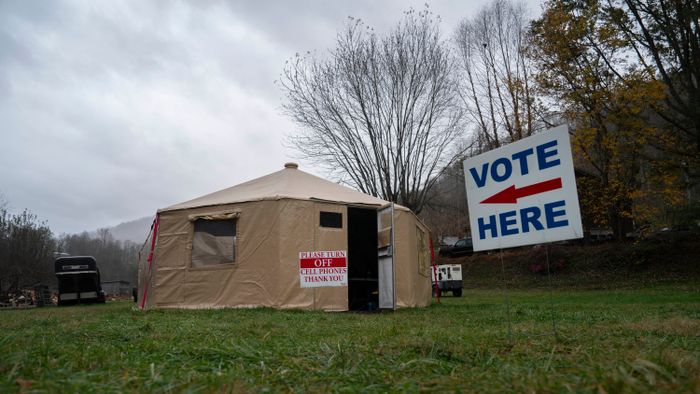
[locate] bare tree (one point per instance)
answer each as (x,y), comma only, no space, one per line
(381,113)
(496,74)
(26,250)
(446,211)
(5,218)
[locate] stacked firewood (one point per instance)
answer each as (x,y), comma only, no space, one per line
(18,299)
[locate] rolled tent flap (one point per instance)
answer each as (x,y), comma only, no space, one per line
(215,215)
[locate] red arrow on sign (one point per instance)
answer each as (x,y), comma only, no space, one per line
(511,194)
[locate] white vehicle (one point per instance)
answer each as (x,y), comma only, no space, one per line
(449,278)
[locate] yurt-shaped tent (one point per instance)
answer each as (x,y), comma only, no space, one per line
(286,240)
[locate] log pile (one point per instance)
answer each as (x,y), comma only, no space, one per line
(27,298)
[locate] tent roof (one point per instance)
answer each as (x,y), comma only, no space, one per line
(287,183)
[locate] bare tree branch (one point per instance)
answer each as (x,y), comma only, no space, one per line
(497,72)
(382,112)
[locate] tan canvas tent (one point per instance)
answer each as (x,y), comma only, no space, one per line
(243,246)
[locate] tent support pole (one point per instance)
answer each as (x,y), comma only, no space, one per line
(551,295)
(436,287)
(505,296)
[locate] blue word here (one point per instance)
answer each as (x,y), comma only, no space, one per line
(523,220)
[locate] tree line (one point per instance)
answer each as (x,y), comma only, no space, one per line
(28,248)
(394,114)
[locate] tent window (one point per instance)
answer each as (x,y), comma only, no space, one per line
(331,219)
(214,242)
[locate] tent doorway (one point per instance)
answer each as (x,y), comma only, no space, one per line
(363,284)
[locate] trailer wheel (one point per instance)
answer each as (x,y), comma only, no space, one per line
(457,292)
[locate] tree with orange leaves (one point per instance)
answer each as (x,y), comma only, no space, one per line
(585,69)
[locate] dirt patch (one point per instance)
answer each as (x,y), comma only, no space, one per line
(677,325)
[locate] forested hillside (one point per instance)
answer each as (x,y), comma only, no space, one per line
(28,248)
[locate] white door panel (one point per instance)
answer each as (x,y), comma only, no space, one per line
(385,251)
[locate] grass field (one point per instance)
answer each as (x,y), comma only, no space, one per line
(609,341)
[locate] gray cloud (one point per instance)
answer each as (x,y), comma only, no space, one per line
(110,110)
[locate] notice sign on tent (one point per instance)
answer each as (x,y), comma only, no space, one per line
(322,269)
(523,193)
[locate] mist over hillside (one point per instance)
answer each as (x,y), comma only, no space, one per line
(135,230)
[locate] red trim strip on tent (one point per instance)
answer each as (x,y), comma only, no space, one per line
(156,221)
(432,261)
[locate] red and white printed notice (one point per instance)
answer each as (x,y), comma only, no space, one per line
(323,269)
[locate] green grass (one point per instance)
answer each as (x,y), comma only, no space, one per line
(609,341)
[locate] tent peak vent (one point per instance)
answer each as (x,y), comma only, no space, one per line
(291,165)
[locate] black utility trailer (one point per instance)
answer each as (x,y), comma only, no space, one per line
(78,280)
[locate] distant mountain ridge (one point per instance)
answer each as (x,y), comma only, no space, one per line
(134,230)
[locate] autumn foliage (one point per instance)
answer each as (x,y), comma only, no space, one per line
(628,156)
(622,74)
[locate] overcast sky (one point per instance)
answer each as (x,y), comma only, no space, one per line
(112,109)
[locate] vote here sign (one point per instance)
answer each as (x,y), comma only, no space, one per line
(523,193)
(322,269)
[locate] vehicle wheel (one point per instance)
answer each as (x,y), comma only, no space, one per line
(457,292)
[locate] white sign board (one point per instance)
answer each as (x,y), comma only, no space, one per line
(323,269)
(523,193)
